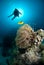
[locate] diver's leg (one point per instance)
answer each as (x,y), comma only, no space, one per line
(10,15)
(13,18)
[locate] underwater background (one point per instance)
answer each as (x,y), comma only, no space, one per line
(33,15)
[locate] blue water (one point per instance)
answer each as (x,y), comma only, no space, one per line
(33,14)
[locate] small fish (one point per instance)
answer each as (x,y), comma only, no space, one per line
(21,22)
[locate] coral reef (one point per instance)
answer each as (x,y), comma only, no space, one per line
(39,36)
(31,42)
(25,36)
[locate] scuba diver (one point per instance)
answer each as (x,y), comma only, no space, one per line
(15,13)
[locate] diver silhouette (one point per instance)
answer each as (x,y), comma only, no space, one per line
(15,13)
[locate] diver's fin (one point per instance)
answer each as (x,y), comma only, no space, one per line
(10,15)
(13,18)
